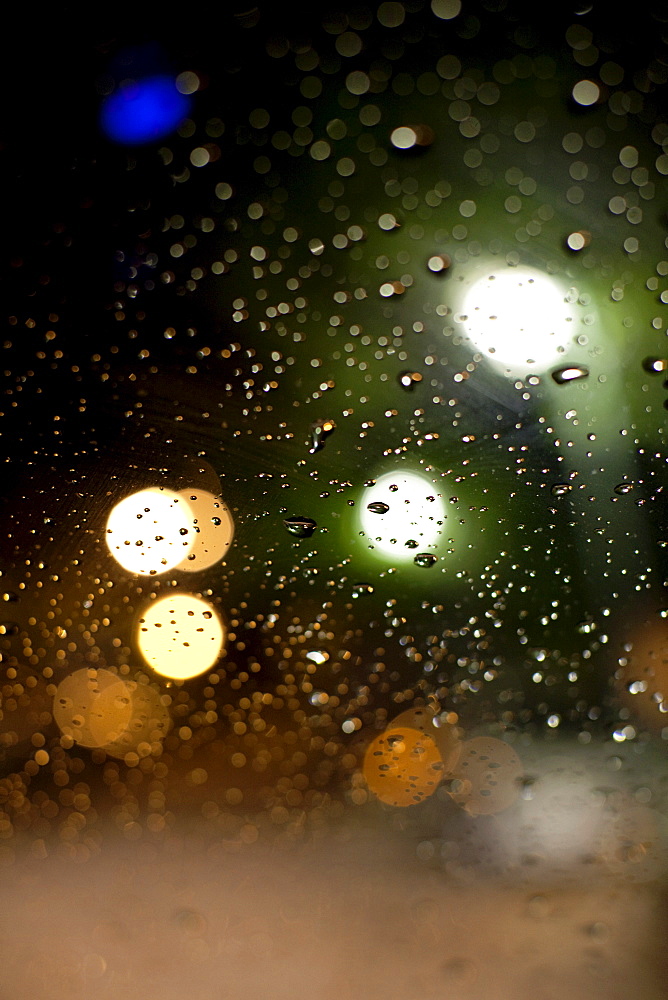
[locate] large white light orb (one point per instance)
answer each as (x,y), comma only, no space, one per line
(150,532)
(518,318)
(402,515)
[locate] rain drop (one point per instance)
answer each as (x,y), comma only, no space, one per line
(300,527)
(570,373)
(561,489)
(378,507)
(425,560)
(623,488)
(319,431)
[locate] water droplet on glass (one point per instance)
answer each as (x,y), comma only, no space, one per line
(408,380)
(411,544)
(362,588)
(8,628)
(319,431)
(300,527)
(622,488)
(570,373)
(561,489)
(216,521)
(425,560)
(587,626)
(378,507)
(9,595)
(655,365)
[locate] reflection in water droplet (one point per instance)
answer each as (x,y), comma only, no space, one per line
(318,432)
(655,365)
(378,507)
(411,544)
(408,380)
(561,489)
(622,488)
(570,373)
(300,527)
(425,559)
(362,588)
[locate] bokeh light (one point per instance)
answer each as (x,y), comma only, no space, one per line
(402,514)
(143,110)
(402,766)
(212,529)
(93,707)
(180,636)
(99,709)
(151,531)
(517,318)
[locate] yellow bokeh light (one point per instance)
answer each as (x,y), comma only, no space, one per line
(402,766)
(150,532)
(180,636)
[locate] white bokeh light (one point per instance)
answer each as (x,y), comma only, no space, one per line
(415,515)
(150,531)
(518,318)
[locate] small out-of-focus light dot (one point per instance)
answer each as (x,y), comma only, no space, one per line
(223,191)
(446,9)
(387,221)
(187,83)
(403,137)
(317,656)
(348,726)
(200,156)
(553,721)
(586,92)
(180,636)
(578,240)
(150,531)
(391,14)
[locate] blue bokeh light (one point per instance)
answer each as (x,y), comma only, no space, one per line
(143,110)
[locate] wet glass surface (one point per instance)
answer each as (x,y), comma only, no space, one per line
(334,529)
